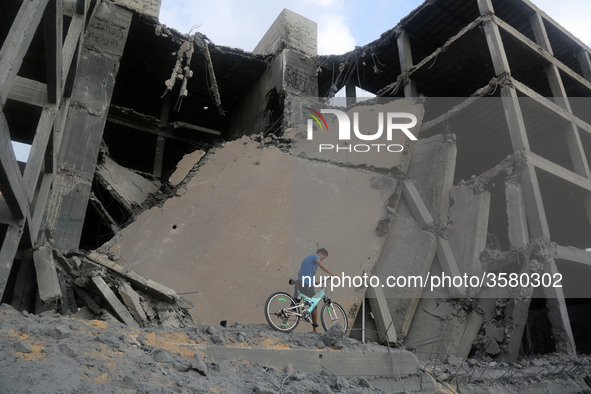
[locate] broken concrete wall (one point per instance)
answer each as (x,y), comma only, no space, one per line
(249,215)
(456,220)
(410,246)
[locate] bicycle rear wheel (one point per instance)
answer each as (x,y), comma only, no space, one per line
(277,313)
(331,314)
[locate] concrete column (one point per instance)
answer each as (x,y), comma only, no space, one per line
(98,65)
(292,41)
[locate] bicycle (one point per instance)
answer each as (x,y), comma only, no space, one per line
(283,312)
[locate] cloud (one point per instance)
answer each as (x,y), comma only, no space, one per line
(242,24)
(334,36)
(225,22)
(573,15)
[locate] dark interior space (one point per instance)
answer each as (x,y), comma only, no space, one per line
(537,336)
(563,203)
(497,219)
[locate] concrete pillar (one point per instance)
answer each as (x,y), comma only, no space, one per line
(468,227)
(292,41)
(408,250)
(98,65)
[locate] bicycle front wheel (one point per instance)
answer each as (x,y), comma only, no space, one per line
(280,312)
(331,314)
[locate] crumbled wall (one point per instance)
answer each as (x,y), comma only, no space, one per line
(245,220)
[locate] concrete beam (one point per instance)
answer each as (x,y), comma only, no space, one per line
(573,254)
(29,91)
(539,51)
(17,43)
(47,280)
(13,187)
(573,138)
(534,207)
(468,227)
(585,63)
(449,264)
(381,313)
(416,204)
(104,42)
(517,311)
(516,216)
(431,171)
(8,250)
(147,285)
(405,55)
(558,313)
(559,171)
(132,300)
(395,363)
(407,250)
(550,105)
(114,302)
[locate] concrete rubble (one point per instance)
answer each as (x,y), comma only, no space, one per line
(108,290)
(171,186)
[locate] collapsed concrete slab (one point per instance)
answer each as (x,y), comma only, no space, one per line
(127,187)
(407,251)
(247,219)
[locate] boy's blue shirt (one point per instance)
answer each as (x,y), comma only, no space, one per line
(309,266)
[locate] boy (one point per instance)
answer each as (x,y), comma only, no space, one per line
(308,269)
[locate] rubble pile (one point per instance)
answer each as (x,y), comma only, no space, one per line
(66,354)
(96,287)
(553,372)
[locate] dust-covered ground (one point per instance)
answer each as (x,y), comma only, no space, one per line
(51,353)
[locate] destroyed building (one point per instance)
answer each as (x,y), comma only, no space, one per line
(172,158)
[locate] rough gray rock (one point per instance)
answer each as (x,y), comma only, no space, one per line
(198,365)
(334,336)
(494,332)
(23,347)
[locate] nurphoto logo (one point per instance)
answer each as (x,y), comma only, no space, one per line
(395,122)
